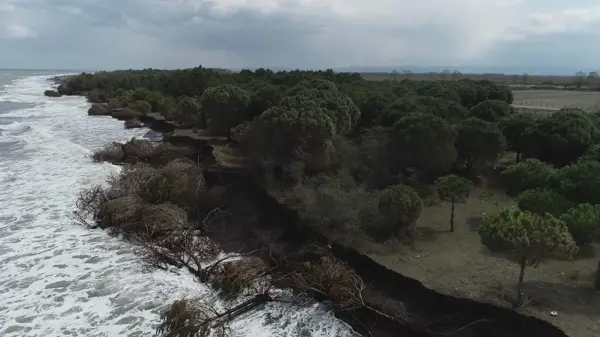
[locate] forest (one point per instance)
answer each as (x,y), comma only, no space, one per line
(360,161)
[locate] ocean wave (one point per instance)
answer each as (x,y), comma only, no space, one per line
(58,279)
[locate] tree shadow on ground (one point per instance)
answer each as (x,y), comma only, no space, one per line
(573,296)
(426,234)
(474,222)
(585,252)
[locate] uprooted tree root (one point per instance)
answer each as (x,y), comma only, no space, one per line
(88,204)
(182,249)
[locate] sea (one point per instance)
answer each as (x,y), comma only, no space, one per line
(60,279)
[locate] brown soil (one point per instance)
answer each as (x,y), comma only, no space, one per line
(458,264)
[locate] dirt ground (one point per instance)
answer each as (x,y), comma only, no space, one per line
(458,264)
(586,100)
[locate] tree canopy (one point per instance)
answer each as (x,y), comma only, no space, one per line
(530,237)
(423,141)
(453,189)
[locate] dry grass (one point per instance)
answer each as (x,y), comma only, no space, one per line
(187,318)
(180,182)
(509,79)
(162,219)
(112,153)
(233,278)
(129,216)
(458,264)
(331,278)
(556,99)
(138,150)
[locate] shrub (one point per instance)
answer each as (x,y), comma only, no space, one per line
(180,182)
(335,205)
(580,181)
(126,113)
(530,237)
(120,214)
(232,278)
(544,200)
(401,206)
(583,222)
(138,150)
(112,153)
(528,174)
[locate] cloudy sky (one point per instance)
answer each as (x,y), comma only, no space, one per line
(108,34)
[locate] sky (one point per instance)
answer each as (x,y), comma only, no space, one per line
(116,34)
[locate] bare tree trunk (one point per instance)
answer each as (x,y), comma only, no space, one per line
(597,285)
(518,156)
(521,275)
(452,216)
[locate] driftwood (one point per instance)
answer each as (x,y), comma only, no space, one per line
(191,318)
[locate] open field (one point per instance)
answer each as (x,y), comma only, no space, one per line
(557,99)
(458,264)
(508,79)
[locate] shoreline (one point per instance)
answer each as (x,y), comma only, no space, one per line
(430,305)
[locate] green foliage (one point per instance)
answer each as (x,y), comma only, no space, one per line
(449,110)
(452,188)
(287,134)
(372,108)
(580,181)
(399,108)
(224,107)
(592,154)
(424,142)
(527,235)
(262,99)
(338,106)
(400,205)
(479,142)
(513,127)
(528,174)
(141,106)
(334,204)
(544,200)
(583,222)
(491,110)
(561,137)
(187,111)
(166,106)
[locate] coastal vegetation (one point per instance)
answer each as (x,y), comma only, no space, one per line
(362,163)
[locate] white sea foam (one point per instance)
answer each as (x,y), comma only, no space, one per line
(58,279)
